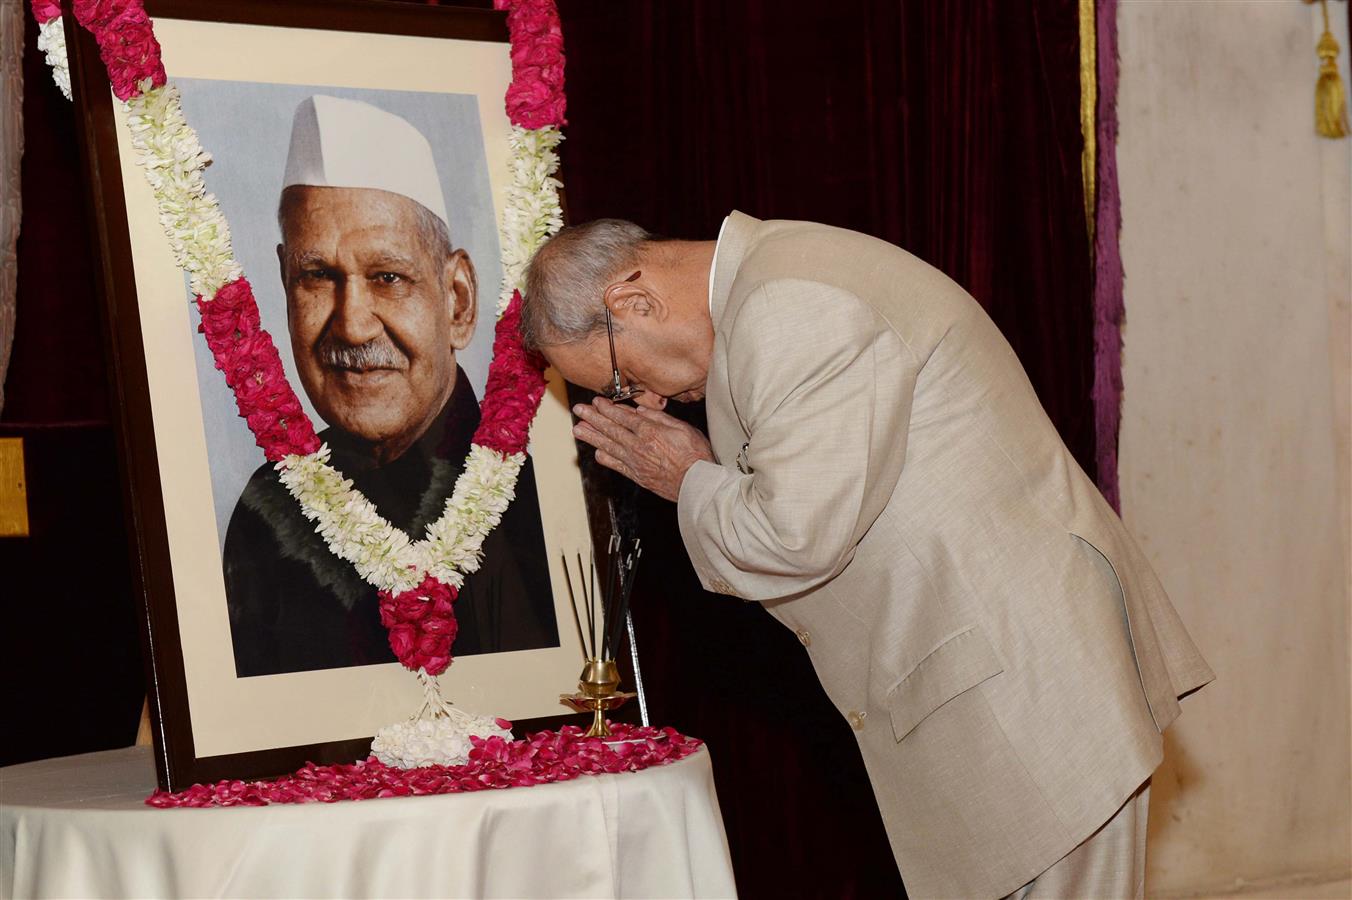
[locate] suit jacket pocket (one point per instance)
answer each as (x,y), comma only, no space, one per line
(957,665)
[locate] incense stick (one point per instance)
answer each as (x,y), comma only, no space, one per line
(577,620)
(595,614)
(613,547)
(606,623)
(591,628)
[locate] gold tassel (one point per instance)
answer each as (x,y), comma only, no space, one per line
(1330,99)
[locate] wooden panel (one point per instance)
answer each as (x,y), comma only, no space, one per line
(13,489)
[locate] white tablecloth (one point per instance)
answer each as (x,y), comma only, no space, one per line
(77,827)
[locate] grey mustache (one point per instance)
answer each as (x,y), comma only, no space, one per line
(376,354)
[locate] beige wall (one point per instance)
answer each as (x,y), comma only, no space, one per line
(1235,428)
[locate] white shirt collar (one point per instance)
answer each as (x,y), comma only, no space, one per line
(713,264)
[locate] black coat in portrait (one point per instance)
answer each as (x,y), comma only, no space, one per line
(294,606)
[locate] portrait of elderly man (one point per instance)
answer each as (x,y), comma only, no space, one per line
(378,302)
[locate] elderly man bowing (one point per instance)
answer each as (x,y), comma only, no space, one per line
(879,473)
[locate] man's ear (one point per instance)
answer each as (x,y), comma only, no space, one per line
(634,298)
(462,298)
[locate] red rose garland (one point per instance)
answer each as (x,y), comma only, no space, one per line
(126,41)
(422,624)
(45,10)
(535,98)
(253,370)
(516,380)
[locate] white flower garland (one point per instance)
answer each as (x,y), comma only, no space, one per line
(482,494)
(532,211)
(52,41)
(348,522)
(432,742)
(384,555)
(438,735)
(173,161)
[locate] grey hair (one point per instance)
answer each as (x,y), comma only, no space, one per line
(436,237)
(568,276)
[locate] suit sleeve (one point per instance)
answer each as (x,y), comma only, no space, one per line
(823,386)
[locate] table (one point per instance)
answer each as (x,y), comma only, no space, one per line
(77,827)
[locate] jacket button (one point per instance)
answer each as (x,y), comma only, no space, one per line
(856,720)
(804,637)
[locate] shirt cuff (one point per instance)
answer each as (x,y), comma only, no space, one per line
(698,487)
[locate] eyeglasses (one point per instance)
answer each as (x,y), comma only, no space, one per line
(619,391)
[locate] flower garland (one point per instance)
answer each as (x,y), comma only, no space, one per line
(52,42)
(494,763)
(417,582)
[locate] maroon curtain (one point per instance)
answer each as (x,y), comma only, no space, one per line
(57,375)
(949,128)
(1109,310)
(71,628)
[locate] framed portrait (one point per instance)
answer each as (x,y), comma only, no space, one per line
(265,650)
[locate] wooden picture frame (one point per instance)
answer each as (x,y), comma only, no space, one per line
(209,724)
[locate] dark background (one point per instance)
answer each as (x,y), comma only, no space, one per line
(950,128)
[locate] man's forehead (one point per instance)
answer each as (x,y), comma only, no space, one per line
(397,257)
(344,205)
(361,221)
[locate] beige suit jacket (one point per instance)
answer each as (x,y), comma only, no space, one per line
(889,486)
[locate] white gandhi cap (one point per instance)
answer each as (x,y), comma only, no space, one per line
(347,143)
